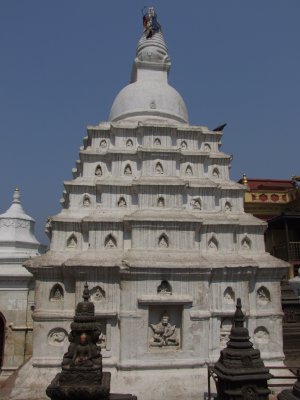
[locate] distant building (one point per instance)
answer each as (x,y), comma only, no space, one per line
(17,244)
(277,201)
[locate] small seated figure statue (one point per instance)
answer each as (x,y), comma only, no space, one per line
(164,332)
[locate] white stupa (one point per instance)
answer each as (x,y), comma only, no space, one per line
(17,244)
(154,224)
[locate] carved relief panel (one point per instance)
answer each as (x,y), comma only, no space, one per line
(164,331)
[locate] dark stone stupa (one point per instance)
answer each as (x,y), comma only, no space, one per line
(82,377)
(240,371)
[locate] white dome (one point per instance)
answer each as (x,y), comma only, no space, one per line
(149,98)
(149,94)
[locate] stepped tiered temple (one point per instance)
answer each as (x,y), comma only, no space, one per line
(156,227)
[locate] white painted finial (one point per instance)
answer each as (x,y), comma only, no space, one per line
(16,195)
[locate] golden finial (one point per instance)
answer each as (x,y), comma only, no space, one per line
(245,180)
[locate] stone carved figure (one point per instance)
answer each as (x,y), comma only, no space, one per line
(86,201)
(216,173)
(164,288)
(98,171)
(103,143)
(263,295)
(122,202)
(56,293)
(72,242)
(189,171)
(110,242)
(229,295)
(227,207)
(56,337)
(183,144)
(157,142)
(196,204)
(129,143)
(213,244)
(163,242)
(159,169)
(164,334)
(160,202)
(97,293)
(261,335)
(246,243)
(127,170)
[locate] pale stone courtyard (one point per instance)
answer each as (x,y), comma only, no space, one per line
(153,223)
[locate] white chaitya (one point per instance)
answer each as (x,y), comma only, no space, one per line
(154,224)
(17,244)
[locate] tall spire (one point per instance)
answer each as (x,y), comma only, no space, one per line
(149,95)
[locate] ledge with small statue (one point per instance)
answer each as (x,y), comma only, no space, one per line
(82,377)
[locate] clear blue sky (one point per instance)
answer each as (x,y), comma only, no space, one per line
(64,61)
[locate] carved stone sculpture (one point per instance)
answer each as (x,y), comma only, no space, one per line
(82,377)
(164,334)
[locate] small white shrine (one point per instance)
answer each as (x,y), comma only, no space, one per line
(156,227)
(17,244)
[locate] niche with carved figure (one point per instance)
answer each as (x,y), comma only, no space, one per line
(261,335)
(216,173)
(263,296)
(183,145)
(228,207)
(229,296)
(86,201)
(163,241)
(122,202)
(164,288)
(127,170)
(196,203)
(164,333)
(189,171)
(97,294)
(159,169)
(56,293)
(246,243)
(110,242)
(160,202)
(206,147)
(98,170)
(157,142)
(72,241)
(103,143)
(129,143)
(213,244)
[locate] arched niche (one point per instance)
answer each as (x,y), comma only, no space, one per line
(263,295)
(160,202)
(98,170)
(216,173)
(103,143)
(163,241)
(246,243)
(164,288)
(261,335)
(196,203)
(127,170)
(97,293)
(2,337)
(183,144)
(122,202)
(110,242)
(213,244)
(157,142)
(72,241)
(129,143)
(228,207)
(229,295)
(56,293)
(189,170)
(159,168)
(206,147)
(86,201)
